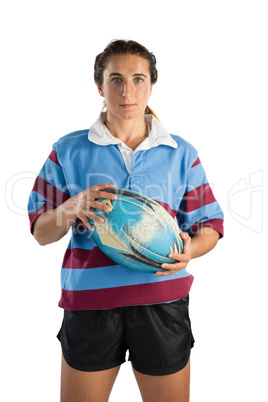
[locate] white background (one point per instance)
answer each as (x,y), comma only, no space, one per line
(212,90)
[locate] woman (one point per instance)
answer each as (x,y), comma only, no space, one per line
(108,308)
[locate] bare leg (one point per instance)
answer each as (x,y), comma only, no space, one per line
(82,386)
(165,388)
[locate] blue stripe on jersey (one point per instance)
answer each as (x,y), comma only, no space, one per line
(85,242)
(102,278)
(52,173)
(36,201)
(205,213)
(196,178)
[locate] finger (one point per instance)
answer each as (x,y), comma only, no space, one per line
(100,205)
(185,235)
(166,273)
(186,239)
(94,217)
(177,256)
(86,222)
(91,201)
(95,192)
(103,194)
(185,257)
(102,186)
(177,266)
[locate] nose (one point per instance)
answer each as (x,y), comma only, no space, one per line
(127,90)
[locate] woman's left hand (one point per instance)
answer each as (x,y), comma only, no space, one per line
(183,259)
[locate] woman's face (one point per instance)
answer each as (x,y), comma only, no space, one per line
(126,86)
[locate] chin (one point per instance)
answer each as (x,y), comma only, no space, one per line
(130,114)
(126,114)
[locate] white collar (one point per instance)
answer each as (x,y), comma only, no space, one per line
(157,134)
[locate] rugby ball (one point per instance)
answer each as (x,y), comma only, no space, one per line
(138,233)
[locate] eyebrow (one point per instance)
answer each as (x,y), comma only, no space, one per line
(134,75)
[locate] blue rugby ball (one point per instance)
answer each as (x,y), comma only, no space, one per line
(138,233)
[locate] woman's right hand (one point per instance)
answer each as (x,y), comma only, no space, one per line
(82,203)
(53,224)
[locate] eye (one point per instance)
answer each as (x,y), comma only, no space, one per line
(138,79)
(117,80)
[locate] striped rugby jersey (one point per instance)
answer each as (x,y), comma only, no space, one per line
(164,167)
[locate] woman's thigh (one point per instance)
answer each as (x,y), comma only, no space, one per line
(82,386)
(166,388)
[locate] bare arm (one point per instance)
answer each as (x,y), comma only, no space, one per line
(201,243)
(204,241)
(52,225)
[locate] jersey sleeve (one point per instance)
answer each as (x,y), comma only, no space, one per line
(50,189)
(199,208)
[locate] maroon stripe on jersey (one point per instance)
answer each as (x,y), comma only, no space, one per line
(167,207)
(198,197)
(78,258)
(216,224)
(34,215)
(54,157)
(149,293)
(196,162)
(53,195)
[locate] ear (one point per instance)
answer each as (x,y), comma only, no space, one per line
(151,90)
(100,90)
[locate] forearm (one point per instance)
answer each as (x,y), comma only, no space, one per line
(204,241)
(52,225)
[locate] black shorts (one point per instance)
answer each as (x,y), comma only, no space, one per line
(158,337)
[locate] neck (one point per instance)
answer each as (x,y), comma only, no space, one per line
(127,130)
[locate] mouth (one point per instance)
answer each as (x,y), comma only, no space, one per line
(127,105)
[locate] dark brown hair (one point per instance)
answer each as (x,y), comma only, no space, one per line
(124,47)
